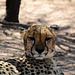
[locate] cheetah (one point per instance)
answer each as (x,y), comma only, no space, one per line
(38,59)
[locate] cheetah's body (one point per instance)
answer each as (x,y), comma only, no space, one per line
(39,43)
(28,66)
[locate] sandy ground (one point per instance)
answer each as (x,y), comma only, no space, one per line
(47,13)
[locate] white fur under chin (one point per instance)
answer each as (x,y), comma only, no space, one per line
(41,57)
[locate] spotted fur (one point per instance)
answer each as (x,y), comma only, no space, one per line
(39,43)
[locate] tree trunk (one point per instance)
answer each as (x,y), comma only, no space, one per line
(12,10)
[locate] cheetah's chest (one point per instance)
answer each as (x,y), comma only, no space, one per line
(36,67)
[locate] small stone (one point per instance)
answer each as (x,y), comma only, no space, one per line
(7,32)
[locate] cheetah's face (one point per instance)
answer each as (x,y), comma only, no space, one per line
(39,42)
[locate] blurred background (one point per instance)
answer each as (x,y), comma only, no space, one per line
(46,12)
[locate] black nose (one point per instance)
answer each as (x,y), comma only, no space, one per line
(39,50)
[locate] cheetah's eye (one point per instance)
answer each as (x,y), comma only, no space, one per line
(48,38)
(31,38)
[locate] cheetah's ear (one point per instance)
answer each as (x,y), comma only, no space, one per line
(54,29)
(22,31)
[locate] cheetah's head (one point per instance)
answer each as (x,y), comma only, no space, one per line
(39,41)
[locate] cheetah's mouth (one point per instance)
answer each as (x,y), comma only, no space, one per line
(39,56)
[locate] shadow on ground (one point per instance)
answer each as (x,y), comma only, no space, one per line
(66,43)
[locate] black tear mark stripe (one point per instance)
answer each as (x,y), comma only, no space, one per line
(32,46)
(46,47)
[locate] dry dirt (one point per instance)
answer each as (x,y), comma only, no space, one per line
(47,13)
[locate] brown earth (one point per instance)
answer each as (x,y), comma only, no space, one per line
(47,13)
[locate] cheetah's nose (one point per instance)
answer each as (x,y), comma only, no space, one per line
(40,50)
